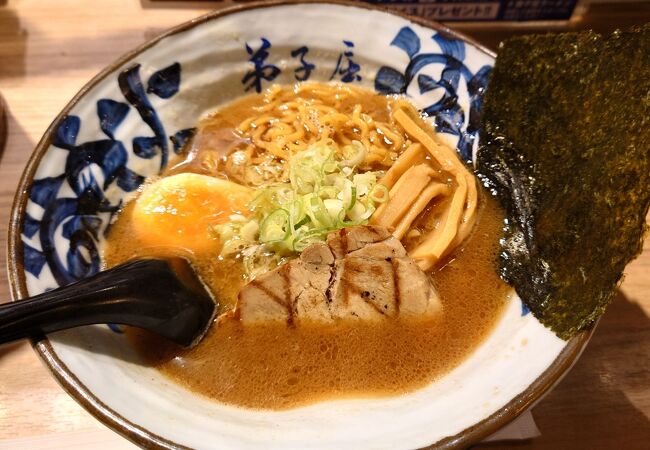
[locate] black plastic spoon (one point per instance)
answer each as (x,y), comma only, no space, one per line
(162,296)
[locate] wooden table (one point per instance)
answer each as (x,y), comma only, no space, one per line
(48,50)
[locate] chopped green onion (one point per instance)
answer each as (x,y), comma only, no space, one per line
(379,193)
(323,194)
(275,227)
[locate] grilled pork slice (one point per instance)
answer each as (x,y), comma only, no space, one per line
(362,273)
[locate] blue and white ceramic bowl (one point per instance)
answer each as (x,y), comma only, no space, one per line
(126,123)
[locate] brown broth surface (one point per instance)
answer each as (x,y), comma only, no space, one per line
(279,367)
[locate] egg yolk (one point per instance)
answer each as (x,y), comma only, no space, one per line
(177,211)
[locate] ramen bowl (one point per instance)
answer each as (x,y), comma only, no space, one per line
(126,124)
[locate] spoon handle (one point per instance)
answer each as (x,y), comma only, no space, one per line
(129,294)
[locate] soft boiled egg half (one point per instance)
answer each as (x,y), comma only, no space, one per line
(178,211)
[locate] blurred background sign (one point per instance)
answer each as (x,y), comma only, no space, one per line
(480,10)
(452,10)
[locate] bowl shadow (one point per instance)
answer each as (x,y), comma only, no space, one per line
(597,405)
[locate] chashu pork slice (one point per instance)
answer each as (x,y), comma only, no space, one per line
(361,273)
(295,289)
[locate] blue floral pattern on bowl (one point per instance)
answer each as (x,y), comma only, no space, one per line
(80,216)
(449,116)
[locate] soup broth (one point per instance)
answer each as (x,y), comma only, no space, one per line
(276,366)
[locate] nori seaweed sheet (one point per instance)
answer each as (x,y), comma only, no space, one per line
(565,145)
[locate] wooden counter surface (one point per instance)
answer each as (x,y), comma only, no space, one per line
(48,50)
